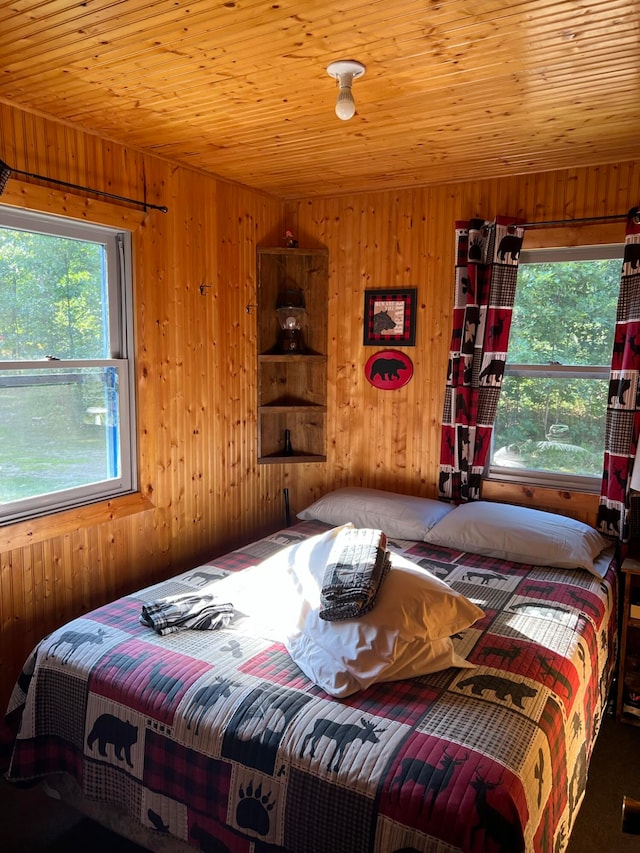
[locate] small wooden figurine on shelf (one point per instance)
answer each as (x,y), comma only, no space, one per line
(289,240)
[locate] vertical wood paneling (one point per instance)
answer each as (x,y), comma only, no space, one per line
(195,365)
(196,358)
(391,439)
(11,608)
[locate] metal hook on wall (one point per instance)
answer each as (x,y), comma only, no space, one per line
(203,287)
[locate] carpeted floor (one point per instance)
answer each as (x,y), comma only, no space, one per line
(614,772)
(32,823)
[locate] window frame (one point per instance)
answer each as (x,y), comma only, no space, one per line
(119,283)
(594,249)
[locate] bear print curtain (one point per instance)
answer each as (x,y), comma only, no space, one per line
(486,270)
(623,410)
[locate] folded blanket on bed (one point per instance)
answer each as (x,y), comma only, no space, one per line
(186,610)
(352,579)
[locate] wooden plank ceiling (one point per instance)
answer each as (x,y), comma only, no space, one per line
(453,89)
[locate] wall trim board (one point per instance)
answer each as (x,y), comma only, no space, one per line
(579,505)
(574,235)
(24,533)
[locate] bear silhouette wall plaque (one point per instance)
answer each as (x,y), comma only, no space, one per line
(389,369)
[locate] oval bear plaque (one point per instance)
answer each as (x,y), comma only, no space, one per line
(389,369)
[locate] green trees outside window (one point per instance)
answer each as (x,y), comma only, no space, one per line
(552,412)
(65,368)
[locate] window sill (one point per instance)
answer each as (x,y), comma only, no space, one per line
(25,533)
(532,479)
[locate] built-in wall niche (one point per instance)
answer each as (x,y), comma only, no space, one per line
(292,365)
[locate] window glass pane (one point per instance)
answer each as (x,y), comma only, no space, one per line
(67,407)
(59,429)
(551,424)
(564,312)
(53,297)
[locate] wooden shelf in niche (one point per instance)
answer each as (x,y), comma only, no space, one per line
(292,387)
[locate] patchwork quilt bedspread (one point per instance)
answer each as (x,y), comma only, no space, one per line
(217,738)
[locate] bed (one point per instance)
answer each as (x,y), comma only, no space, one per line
(217,740)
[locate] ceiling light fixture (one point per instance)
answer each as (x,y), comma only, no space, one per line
(345,72)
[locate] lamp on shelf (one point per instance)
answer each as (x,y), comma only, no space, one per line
(291,313)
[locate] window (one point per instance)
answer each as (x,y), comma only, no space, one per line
(66,364)
(551,419)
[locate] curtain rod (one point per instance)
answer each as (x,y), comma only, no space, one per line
(6,171)
(634,212)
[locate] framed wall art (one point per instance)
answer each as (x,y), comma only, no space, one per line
(390,317)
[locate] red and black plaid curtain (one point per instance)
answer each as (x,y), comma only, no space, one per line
(487,256)
(623,409)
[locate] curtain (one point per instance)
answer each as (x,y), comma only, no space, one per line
(623,408)
(486,270)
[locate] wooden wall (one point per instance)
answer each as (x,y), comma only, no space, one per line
(201,490)
(391,439)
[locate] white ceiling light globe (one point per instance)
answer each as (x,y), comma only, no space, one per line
(345,71)
(345,105)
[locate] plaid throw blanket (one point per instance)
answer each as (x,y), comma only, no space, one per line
(178,612)
(352,580)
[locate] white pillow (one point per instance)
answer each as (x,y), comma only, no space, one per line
(404,635)
(399,516)
(343,676)
(521,535)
